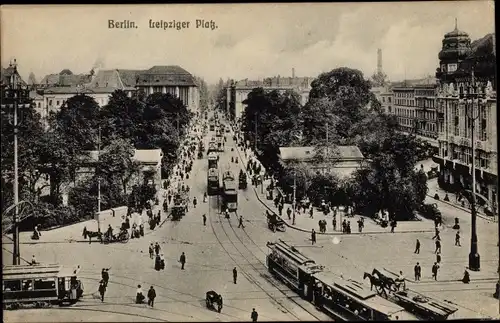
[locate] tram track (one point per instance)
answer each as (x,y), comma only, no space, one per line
(250,277)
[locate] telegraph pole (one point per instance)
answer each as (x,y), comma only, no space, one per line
(99,180)
(255,140)
(16,254)
(294,193)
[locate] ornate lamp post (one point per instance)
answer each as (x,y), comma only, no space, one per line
(15,98)
(472,96)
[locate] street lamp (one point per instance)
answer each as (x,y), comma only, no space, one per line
(472,98)
(294,193)
(15,96)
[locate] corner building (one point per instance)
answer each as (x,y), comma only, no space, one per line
(461,64)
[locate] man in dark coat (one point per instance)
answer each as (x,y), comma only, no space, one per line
(105,276)
(151,296)
(204,219)
(235,275)
(254,315)
(418,272)
(182,260)
(289,213)
(102,289)
(313,236)
(417,247)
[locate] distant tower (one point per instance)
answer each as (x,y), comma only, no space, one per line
(293,72)
(379,61)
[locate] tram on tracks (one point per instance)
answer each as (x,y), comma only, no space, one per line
(41,285)
(212,147)
(341,299)
(213,185)
(213,160)
(229,192)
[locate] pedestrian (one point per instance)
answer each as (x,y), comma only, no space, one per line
(435,269)
(151,250)
(139,296)
(162,262)
(280,209)
(436,235)
(466,278)
(438,258)
(194,202)
(151,296)
(33,261)
(344,226)
(235,275)
(105,276)
(204,219)
(438,247)
(401,280)
(348,229)
(240,225)
(169,198)
(418,271)
(157,248)
(393,225)
(417,247)
(457,239)
(205,197)
(182,260)
(289,213)
(360,225)
(334,223)
(311,212)
(102,289)
(313,236)
(254,315)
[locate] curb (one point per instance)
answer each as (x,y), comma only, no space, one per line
(319,233)
(481,215)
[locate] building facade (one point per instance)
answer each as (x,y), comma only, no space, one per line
(170,79)
(463,64)
(343,162)
(237,92)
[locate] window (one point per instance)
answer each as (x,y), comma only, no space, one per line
(57,103)
(48,283)
(11,285)
(389,99)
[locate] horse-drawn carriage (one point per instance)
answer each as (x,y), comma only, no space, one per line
(200,154)
(213,298)
(384,281)
(123,236)
(275,223)
(242,184)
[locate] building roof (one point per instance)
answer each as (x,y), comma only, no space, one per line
(65,79)
(129,77)
(78,89)
(148,155)
(143,156)
(165,76)
(276,82)
(35,95)
(308,153)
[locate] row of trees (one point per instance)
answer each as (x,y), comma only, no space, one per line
(53,155)
(341,111)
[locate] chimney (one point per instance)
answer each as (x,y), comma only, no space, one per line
(293,72)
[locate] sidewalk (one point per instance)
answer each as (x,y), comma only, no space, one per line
(304,223)
(434,188)
(73,232)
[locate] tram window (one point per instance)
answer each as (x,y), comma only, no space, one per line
(45,284)
(27,285)
(11,285)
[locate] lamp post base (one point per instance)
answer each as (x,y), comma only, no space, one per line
(474,262)
(497,291)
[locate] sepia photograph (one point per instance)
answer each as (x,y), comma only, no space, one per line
(249,162)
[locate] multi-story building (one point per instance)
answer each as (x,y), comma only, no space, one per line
(170,79)
(463,64)
(237,92)
(413,102)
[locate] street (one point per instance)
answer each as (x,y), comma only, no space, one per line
(213,250)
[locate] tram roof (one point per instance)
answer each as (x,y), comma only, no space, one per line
(360,293)
(292,253)
(37,271)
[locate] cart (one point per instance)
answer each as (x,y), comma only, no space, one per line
(122,237)
(213,298)
(179,209)
(275,223)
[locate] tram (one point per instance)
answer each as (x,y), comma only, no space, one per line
(341,299)
(212,147)
(39,285)
(213,181)
(213,159)
(220,144)
(229,191)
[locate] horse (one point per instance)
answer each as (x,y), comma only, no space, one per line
(91,234)
(390,283)
(374,281)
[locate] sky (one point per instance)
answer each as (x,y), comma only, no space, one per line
(251,40)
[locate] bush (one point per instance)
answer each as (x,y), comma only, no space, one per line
(429,211)
(45,215)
